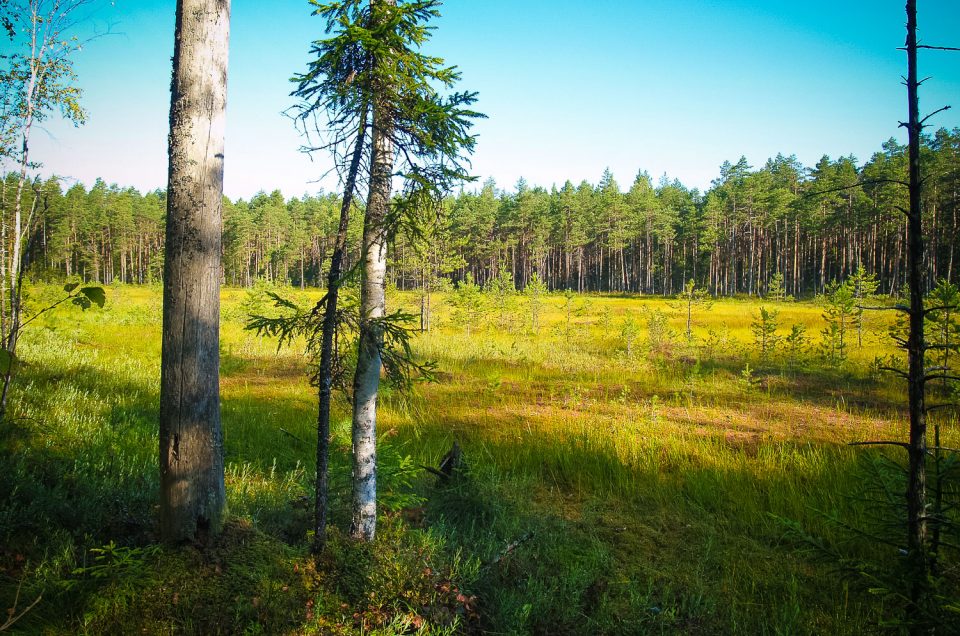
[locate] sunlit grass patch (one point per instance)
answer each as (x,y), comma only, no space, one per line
(608,488)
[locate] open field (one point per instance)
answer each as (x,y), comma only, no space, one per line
(660,490)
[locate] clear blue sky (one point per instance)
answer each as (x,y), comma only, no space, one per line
(570,88)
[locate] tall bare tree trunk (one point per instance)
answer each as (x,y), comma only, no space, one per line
(192,497)
(366,381)
(916,478)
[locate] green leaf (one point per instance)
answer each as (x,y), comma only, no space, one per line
(96,295)
(69,287)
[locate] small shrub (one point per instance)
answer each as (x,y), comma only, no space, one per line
(764,327)
(796,343)
(747,380)
(629,330)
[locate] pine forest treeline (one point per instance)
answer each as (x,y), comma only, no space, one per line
(811,225)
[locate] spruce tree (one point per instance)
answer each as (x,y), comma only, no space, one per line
(864,286)
(838,313)
(372,72)
(764,327)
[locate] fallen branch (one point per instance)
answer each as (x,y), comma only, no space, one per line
(450,465)
(510,548)
(286,432)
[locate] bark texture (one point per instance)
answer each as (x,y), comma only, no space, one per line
(192,498)
(916,495)
(366,381)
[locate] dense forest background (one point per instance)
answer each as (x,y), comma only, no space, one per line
(811,224)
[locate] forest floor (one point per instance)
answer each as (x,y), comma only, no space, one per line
(657,486)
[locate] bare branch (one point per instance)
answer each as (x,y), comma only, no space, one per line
(938,308)
(858,184)
(880,443)
(12,616)
(510,548)
(894,308)
(942,376)
(945,448)
(899,372)
(904,210)
(939,110)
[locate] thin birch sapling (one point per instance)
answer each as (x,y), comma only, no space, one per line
(418,136)
(37,79)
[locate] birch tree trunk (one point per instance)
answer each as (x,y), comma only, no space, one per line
(192,498)
(12,274)
(326,347)
(366,381)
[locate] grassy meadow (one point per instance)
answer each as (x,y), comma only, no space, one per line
(620,479)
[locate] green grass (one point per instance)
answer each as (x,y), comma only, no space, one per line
(641,493)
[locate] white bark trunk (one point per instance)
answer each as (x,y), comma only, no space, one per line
(366,381)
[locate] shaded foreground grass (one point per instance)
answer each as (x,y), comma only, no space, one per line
(604,492)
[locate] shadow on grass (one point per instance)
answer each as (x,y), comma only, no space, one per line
(92,473)
(568,538)
(79,470)
(674,539)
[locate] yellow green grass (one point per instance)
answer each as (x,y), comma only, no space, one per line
(653,492)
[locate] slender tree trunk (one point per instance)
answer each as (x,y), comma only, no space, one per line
(953,243)
(4,281)
(326,347)
(916,478)
(192,498)
(366,382)
(12,332)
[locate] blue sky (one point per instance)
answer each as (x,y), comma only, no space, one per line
(570,88)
